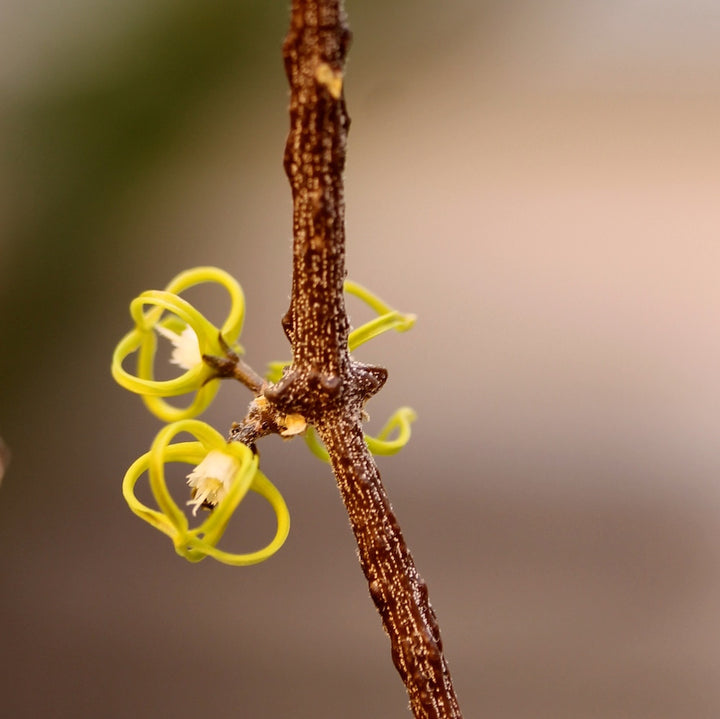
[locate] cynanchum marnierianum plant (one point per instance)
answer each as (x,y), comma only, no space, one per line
(224,470)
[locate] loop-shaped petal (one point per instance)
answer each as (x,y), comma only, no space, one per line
(166,313)
(387,319)
(200,542)
(399,424)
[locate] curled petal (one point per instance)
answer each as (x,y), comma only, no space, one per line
(240,474)
(387,319)
(398,423)
(164,312)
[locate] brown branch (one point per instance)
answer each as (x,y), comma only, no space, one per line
(324,383)
(314,52)
(399,593)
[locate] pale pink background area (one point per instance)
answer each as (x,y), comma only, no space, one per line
(540,184)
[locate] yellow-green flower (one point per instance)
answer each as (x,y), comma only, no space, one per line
(224,473)
(165,313)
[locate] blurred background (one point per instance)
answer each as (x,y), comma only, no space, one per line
(539,182)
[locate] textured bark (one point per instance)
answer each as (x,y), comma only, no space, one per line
(324,383)
(399,593)
(314,53)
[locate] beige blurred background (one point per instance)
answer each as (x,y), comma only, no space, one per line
(539,182)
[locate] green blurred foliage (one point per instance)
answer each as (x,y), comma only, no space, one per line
(82,139)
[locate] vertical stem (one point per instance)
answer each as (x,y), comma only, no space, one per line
(399,593)
(314,51)
(324,383)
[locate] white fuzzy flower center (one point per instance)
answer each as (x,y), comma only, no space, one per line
(211,479)
(186,348)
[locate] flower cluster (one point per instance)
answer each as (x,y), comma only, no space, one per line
(224,471)
(192,336)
